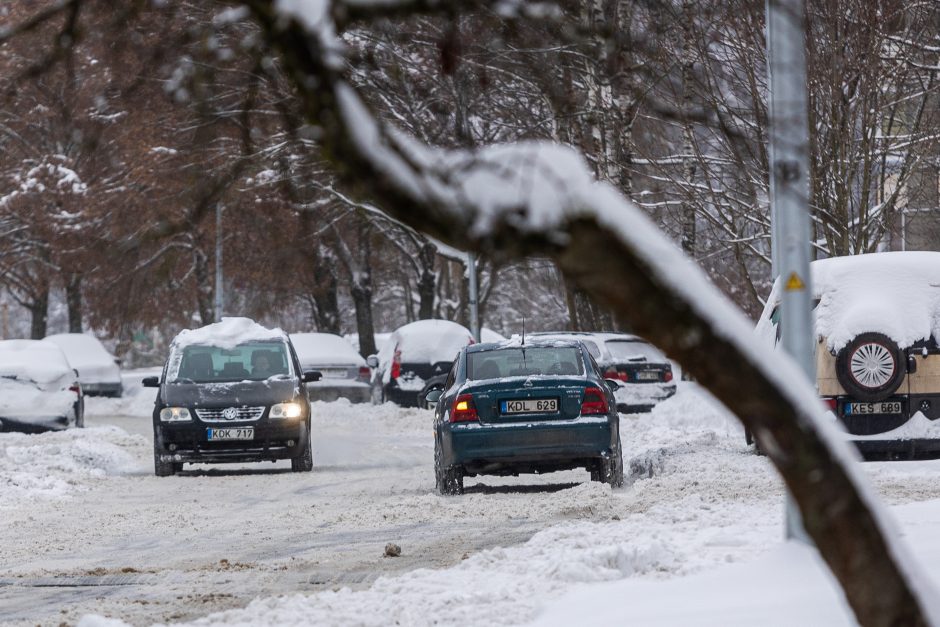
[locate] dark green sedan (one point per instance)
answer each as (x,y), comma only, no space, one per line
(512,408)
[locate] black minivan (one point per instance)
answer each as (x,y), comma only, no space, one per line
(231,392)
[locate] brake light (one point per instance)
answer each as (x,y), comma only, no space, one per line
(463,409)
(76,388)
(831,403)
(667,376)
(396,363)
(364,373)
(617,376)
(594,402)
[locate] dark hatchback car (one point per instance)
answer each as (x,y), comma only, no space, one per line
(510,408)
(223,402)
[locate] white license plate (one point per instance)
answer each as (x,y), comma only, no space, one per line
(232,433)
(647,375)
(529,406)
(333,373)
(885,407)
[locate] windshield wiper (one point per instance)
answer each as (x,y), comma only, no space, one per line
(183,381)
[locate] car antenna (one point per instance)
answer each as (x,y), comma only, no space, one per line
(523,330)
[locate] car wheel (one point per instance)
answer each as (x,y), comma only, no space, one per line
(304,461)
(609,469)
(870,367)
(164,469)
(80,414)
(438,468)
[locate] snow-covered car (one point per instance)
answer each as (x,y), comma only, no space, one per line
(232,391)
(344,371)
(98,370)
(642,372)
(877,328)
(413,354)
(39,389)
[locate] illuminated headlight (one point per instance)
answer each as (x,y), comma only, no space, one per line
(286,410)
(174,414)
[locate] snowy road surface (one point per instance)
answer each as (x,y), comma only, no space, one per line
(88,530)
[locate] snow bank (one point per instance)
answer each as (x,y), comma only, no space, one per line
(228,333)
(58,464)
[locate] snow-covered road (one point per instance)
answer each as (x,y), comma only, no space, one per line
(87,528)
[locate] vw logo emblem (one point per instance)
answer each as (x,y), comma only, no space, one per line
(230,413)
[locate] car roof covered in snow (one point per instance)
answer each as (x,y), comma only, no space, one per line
(325,348)
(81,348)
(36,360)
(895,293)
(228,333)
(426,341)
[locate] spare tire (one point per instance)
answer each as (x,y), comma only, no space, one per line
(870,367)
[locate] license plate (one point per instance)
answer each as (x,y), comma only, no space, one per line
(884,407)
(647,375)
(232,433)
(529,406)
(333,373)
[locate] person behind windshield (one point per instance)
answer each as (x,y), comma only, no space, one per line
(262,368)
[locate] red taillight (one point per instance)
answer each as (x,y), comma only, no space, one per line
(667,376)
(594,402)
(831,403)
(76,388)
(396,363)
(616,376)
(463,409)
(364,373)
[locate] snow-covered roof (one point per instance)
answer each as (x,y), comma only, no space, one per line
(489,335)
(228,333)
(82,349)
(426,341)
(36,360)
(895,293)
(325,349)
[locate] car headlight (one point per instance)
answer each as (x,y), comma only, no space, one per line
(286,410)
(175,414)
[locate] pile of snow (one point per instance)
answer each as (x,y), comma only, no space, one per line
(36,360)
(136,401)
(895,293)
(55,465)
(325,349)
(228,333)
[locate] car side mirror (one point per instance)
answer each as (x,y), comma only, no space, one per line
(312,375)
(911,364)
(433,396)
(372,361)
(118,361)
(613,385)
(151,382)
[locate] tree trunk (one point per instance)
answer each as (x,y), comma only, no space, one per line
(427,284)
(204,294)
(73,299)
(39,313)
(362,298)
(326,303)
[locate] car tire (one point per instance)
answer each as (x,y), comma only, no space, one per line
(164,469)
(304,461)
(447,479)
(870,367)
(610,469)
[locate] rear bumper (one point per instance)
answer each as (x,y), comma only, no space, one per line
(910,449)
(103,389)
(354,391)
(641,397)
(189,442)
(38,424)
(486,448)
(402,398)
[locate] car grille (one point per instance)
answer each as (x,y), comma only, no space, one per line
(242,414)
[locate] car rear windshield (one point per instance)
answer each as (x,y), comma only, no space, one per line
(634,350)
(524,361)
(255,361)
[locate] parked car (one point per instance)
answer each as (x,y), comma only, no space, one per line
(232,391)
(513,408)
(39,390)
(437,382)
(643,374)
(413,354)
(877,327)
(345,373)
(98,370)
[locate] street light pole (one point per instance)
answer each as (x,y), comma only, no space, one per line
(789,191)
(474,296)
(218,263)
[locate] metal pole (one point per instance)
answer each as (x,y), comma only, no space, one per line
(474,296)
(218,263)
(789,185)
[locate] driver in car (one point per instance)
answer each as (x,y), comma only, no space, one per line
(262,368)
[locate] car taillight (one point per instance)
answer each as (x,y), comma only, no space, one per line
(364,373)
(396,364)
(76,388)
(463,409)
(594,402)
(831,403)
(667,376)
(617,376)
